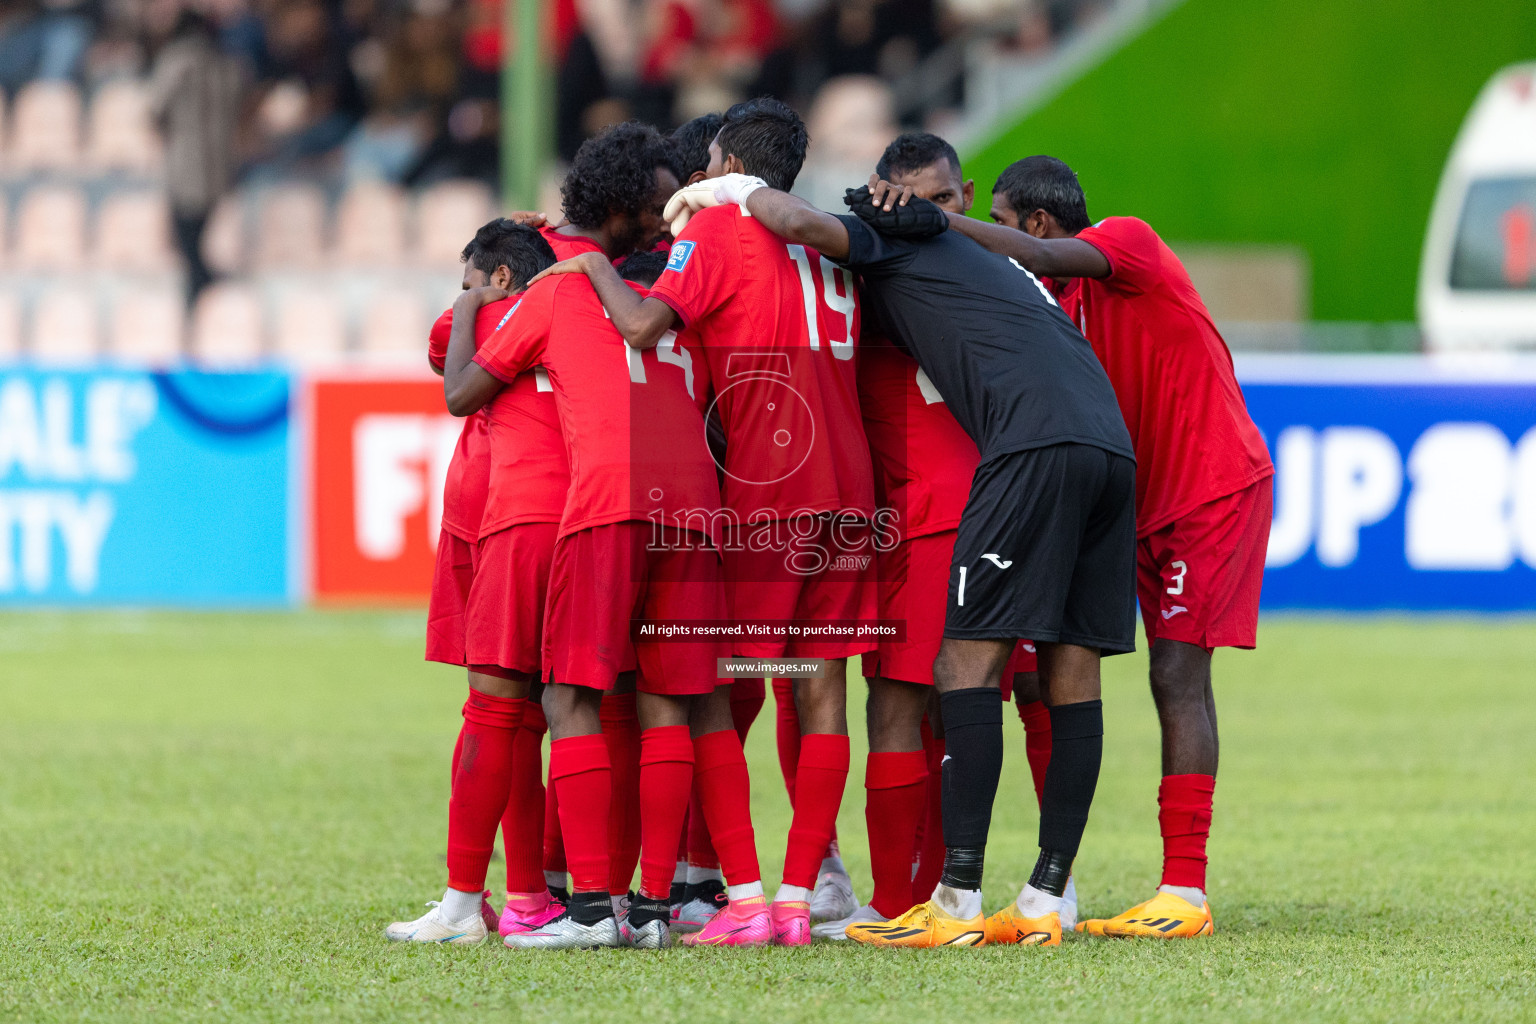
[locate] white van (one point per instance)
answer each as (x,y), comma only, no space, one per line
(1477,281)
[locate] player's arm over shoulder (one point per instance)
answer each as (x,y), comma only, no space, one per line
(796,220)
(1043,257)
(1130,247)
(481,361)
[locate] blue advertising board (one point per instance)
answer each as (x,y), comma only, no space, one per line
(1401,482)
(127,486)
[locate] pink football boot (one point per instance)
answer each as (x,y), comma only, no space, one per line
(527,911)
(741,923)
(791,923)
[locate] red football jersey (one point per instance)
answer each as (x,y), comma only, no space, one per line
(526,466)
(567,246)
(1172,375)
(469,471)
(922,458)
(631,420)
(777,324)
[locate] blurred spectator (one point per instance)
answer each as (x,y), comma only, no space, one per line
(43,39)
(313,100)
(194,96)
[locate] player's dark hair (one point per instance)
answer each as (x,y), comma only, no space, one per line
(643,267)
(506,243)
(614,172)
(768,138)
(1045,183)
(690,143)
(914,151)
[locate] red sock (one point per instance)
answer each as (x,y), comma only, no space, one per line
(621,728)
(522,826)
(554,840)
(458,748)
(725,797)
(819,782)
(480,786)
(579,771)
(666,784)
(896,800)
(930,860)
(700,850)
(1184,815)
(787,732)
(1037,741)
(747,699)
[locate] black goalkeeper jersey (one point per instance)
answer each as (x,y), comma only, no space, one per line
(1012,368)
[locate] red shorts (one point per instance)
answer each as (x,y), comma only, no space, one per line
(809,568)
(1023,660)
(451,578)
(914,589)
(1198,578)
(602,579)
(504,621)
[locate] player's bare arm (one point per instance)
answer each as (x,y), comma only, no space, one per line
(466,386)
(796,220)
(642,321)
(1043,257)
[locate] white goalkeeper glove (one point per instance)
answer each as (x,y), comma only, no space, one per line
(701,195)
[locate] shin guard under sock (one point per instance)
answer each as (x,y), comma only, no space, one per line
(480,786)
(1184,816)
(973,739)
(930,859)
(621,730)
(1077,749)
(580,774)
(666,784)
(522,826)
(720,775)
(819,781)
(896,791)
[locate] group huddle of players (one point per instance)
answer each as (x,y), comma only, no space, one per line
(699,400)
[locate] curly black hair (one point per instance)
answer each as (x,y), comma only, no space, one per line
(914,151)
(1045,183)
(643,267)
(614,172)
(768,138)
(690,143)
(506,243)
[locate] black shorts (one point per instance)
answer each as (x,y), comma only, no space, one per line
(1047,550)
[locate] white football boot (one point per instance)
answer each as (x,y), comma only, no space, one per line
(433,927)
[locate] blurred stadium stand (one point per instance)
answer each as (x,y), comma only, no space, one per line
(361,144)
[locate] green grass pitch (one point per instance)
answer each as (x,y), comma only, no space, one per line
(208,817)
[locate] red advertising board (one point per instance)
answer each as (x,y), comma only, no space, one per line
(379,452)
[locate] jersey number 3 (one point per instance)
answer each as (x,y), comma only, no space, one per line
(836,292)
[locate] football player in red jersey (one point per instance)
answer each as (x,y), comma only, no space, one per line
(1203,487)
(778,327)
(636,542)
(498,732)
(589,196)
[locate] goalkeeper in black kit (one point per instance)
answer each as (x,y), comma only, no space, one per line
(1046,544)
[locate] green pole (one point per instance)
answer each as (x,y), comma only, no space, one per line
(526,105)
